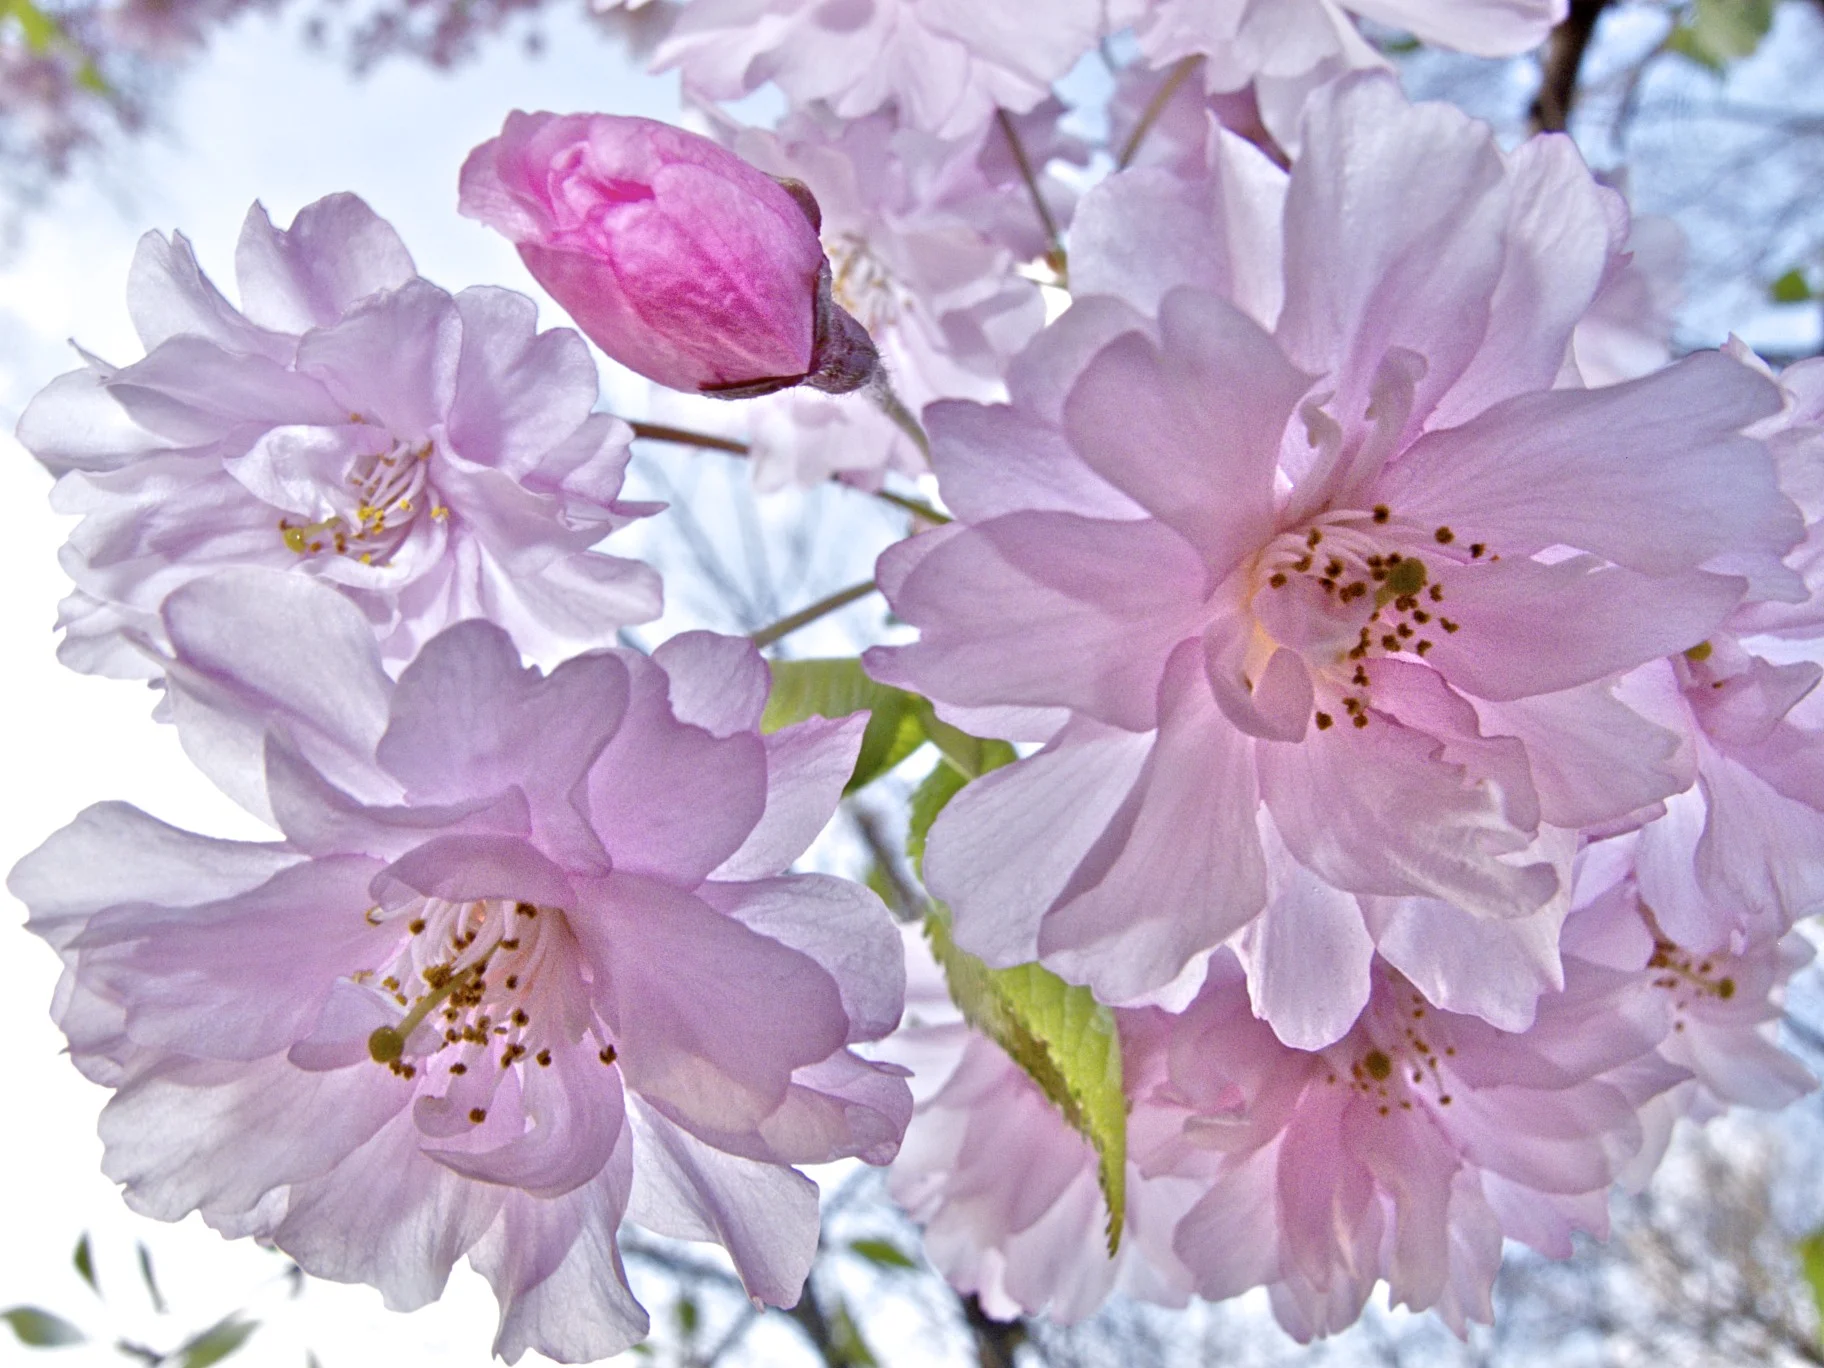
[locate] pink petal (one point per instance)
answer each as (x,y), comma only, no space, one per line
(1191,429)
(1651,474)
(669,799)
(763,1214)
(710,1018)
(337,251)
(1047,609)
(1004,848)
(807,767)
(1179,866)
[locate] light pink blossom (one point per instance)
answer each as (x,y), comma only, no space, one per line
(1285,49)
(523,963)
(945,65)
(434,457)
(1006,1189)
(1407,1150)
(676,257)
(1321,624)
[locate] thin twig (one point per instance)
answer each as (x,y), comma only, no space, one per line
(1154,108)
(1055,254)
(881,392)
(842,598)
(660,432)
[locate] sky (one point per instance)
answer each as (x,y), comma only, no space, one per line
(259,118)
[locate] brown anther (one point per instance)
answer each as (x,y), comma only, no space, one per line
(1382,513)
(1444,1101)
(1419,615)
(1324,721)
(607,1055)
(511,944)
(512,981)
(1277,579)
(1390,642)
(478,1115)
(459,1068)
(1423,646)
(1361,719)
(1334,569)
(1448,625)
(1313,537)
(1444,536)
(1403,630)
(415,925)
(1476,549)
(1302,564)
(525,909)
(1725,988)
(1437,593)
(519,1016)
(544,1059)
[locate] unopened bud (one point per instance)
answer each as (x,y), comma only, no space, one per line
(677,258)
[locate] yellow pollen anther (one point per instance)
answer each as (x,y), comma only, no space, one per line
(1700,652)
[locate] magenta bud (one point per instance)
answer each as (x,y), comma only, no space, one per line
(677,258)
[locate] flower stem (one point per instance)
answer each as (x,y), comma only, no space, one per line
(1154,108)
(913,506)
(842,598)
(881,392)
(1054,255)
(659,432)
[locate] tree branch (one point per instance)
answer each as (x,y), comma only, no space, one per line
(1564,51)
(995,1341)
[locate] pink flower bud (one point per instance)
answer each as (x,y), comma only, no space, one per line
(679,259)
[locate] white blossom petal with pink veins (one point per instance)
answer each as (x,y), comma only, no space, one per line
(435,457)
(492,990)
(1338,594)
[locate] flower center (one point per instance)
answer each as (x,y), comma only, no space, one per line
(1690,979)
(471,976)
(1350,586)
(391,491)
(1391,1075)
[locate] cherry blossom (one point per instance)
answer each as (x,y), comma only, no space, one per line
(435,457)
(523,963)
(1320,625)
(945,65)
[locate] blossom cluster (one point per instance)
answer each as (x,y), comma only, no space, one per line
(1405,672)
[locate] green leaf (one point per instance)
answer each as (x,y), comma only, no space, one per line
(689,1317)
(145,1272)
(972,755)
(837,688)
(930,797)
(41,1329)
(216,1343)
(1714,33)
(85,1263)
(882,1253)
(1791,288)
(1062,1037)
(39,30)
(1811,1263)
(846,1342)
(963,759)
